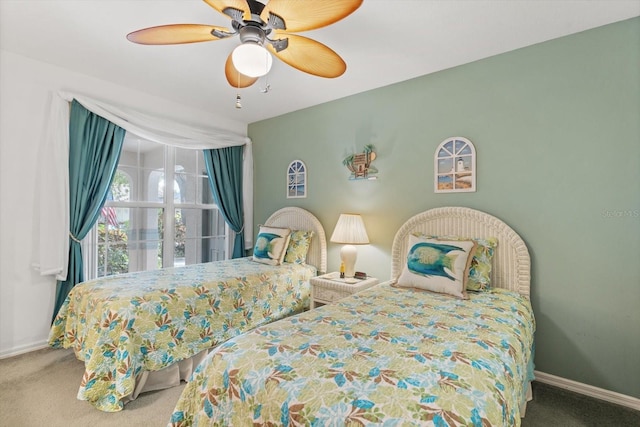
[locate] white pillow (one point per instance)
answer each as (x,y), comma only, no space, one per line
(437,265)
(271,245)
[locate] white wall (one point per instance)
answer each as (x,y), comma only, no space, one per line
(26,298)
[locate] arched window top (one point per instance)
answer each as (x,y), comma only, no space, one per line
(296,180)
(455,166)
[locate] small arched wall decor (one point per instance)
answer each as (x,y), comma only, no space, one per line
(296,180)
(455,166)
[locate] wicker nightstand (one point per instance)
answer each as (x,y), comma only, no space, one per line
(330,288)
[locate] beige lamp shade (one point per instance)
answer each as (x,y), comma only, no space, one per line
(349,230)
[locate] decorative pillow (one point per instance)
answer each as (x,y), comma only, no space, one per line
(438,265)
(480,268)
(271,245)
(298,246)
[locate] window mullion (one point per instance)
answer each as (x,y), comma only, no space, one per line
(169,208)
(90,253)
(135,204)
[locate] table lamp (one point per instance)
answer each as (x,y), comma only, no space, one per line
(350,231)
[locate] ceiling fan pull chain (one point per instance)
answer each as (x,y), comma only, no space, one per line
(267,86)
(238,99)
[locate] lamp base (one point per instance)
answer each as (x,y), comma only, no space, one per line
(348,255)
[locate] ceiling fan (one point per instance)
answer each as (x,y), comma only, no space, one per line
(260,24)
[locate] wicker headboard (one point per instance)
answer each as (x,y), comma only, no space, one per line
(511,263)
(300,219)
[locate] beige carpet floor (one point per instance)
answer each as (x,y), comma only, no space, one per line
(39,389)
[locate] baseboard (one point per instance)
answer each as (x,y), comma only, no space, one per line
(588,390)
(16,351)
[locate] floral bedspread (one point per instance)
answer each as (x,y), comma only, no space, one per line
(383,357)
(122,325)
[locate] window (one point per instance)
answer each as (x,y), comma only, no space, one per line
(159,213)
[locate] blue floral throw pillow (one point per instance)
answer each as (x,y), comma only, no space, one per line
(480,269)
(299,244)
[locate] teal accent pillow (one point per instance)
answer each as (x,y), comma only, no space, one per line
(481,263)
(437,265)
(271,245)
(298,247)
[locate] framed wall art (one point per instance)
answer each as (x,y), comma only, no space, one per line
(455,166)
(296,180)
(360,164)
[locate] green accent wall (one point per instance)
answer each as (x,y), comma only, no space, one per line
(556,128)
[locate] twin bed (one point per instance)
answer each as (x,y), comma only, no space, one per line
(147,330)
(386,356)
(390,355)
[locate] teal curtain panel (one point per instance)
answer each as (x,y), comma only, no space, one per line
(224,167)
(94,151)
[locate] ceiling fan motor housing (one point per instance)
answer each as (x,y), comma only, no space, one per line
(252,33)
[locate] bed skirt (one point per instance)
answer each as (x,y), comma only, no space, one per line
(171,376)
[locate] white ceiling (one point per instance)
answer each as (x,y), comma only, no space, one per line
(383,42)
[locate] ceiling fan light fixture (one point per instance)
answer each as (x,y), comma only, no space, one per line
(256,23)
(252,59)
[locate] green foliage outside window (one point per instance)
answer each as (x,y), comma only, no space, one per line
(117,260)
(180,237)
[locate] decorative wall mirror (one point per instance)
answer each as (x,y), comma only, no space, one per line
(455,166)
(297,180)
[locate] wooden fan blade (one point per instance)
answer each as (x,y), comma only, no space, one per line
(308,15)
(235,78)
(221,5)
(175,34)
(310,56)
